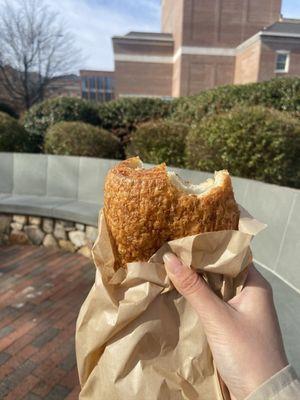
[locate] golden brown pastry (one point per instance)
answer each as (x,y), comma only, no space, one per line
(144,208)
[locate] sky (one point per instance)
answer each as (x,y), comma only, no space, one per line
(94,22)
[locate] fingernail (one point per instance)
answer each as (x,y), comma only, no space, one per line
(172,263)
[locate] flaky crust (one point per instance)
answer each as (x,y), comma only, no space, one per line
(143,210)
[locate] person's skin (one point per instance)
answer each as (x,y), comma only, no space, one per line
(243,334)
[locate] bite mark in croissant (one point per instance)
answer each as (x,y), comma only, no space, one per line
(144,208)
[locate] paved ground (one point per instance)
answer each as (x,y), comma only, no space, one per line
(40,295)
(41,292)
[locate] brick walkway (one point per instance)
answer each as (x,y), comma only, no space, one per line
(41,291)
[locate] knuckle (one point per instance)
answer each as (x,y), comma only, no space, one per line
(189,283)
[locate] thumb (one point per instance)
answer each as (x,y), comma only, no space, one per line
(193,287)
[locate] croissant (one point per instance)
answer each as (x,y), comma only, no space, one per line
(144,208)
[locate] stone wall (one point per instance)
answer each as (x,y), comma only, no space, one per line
(40,231)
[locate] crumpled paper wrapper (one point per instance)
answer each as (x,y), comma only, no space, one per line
(137,338)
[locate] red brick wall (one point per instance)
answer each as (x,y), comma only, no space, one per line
(247,64)
(268,57)
(226,23)
(205,72)
(172,19)
(138,78)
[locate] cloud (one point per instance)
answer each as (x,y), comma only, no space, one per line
(93,23)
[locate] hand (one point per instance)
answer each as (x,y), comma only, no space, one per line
(244,334)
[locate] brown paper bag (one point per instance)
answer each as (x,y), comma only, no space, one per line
(137,338)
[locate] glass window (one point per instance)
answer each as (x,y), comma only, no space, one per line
(100,96)
(108,85)
(282,62)
(93,95)
(92,83)
(100,82)
(107,96)
(84,83)
(84,94)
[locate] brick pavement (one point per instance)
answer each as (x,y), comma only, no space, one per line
(41,291)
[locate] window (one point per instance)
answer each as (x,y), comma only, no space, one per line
(85,95)
(108,84)
(282,61)
(108,96)
(92,95)
(100,83)
(92,83)
(84,83)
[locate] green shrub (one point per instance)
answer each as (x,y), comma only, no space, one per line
(6,108)
(281,94)
(122,116)
(251,142)
(13,136)
(81,139)
(159,141)
(44,115)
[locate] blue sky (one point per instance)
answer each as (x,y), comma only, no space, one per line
(94,22)
(101,19)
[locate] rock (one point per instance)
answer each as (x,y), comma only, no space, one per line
(69,226)
(4,238)
(35,221)
(4,223)
(34,233)
(67,245)
(79,227)
(16,226)
(48,225)
(91,234)
(50,241)
(18,237)
(22,219)
(59,231)
(85,251)
(78,238)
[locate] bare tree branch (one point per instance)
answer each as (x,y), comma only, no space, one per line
(35,48)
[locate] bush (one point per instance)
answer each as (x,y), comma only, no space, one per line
(44,115)
(13,136)
(281,94)
(6,108)
(251,142)
(81,139)
(122,116)
(159,141)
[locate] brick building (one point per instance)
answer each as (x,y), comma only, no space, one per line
(207,43)
(97,85)
(64,85)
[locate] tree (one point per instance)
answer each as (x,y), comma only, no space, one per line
(35,48)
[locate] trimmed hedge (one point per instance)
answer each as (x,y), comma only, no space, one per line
(6,108)
(122,116)
(46,114)
(81,139)
(251,142)
(159,141)
(282,94)
(13,136)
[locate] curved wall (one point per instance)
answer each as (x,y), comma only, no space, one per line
(73,186)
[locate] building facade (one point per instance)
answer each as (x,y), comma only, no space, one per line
(97,85)
(207,43)
(64,86)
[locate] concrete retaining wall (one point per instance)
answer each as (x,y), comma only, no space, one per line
(73,186)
